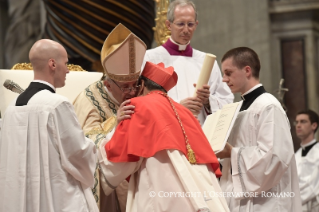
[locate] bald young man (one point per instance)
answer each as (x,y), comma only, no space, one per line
(46,163)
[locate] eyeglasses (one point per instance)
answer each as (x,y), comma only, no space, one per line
(301,122)
(181,25)
(127,90)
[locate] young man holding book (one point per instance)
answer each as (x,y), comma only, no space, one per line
(259,166)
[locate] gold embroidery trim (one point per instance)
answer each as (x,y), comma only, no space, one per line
(132,56)
(108,125)
(124,78)
(94,132)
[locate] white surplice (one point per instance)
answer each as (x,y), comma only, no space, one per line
(188,70)
(308,172)
(46,163)
(262,160)
(164,182)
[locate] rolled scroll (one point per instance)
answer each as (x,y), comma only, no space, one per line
(205,72)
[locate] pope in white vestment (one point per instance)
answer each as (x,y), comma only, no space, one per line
(187,63)
(261,173)
(308,172)
(121,56)
(46,163)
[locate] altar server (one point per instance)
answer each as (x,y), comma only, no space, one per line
(46,162)
(307,159)
(259,165)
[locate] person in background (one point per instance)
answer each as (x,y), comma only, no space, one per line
(307,159)
(187,62)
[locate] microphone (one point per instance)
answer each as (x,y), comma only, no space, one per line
(12,86)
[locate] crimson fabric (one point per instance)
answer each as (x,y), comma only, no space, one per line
(154,127)
(165,77)
(172,49)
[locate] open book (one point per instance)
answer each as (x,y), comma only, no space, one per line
(217,126)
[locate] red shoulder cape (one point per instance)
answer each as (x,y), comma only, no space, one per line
(154,127)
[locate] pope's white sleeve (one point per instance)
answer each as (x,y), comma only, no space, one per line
(220,93)
(259,168)
(113,173)
(78,153)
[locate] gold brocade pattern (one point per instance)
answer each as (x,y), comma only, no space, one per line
(107,126)
(161,33)
(22,66)
(73,67)
(132,56)
(96,131)
(97,135)
(124,78)
(103,105)
(28,66)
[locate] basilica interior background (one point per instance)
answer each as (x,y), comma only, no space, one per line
(284,33)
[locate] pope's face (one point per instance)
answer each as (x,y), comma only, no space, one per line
(182,34)
(118,89)
(234,77)
(303,125)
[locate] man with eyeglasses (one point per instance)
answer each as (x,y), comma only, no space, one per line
(307,159)
(187,62)
(121,57)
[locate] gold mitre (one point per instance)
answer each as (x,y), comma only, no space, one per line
(122,55)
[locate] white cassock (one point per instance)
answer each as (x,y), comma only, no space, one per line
(188,70)
(46,163)
(262,160)
(308,172)
(164,182)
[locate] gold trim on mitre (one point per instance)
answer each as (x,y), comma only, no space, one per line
(122,55)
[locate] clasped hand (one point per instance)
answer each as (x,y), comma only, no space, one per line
(195,104)
(125,111)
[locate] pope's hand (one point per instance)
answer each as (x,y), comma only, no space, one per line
(226,152)
(124,111)
(194,104)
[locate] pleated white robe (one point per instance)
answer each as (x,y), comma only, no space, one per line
(163,182)
(46,163)
(262,160)
(308,173)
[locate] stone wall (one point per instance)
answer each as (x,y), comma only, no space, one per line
(224,25)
